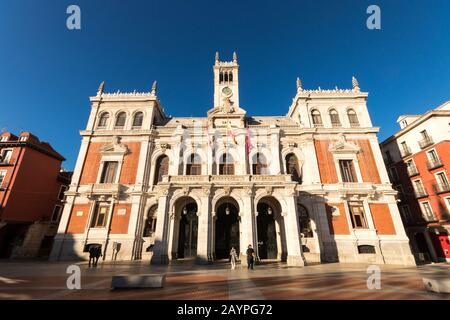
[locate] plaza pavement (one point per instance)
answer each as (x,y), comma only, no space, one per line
(47,280)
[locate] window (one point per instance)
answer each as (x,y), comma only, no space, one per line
(226,165)
(401,193)
(5,156)
(316,118)
(305,221)
(56,213)
(425,135)
(388,157)
(366,249)
(406,214)
(2,178)
(138,119)
(162,168)
(121,119)
(357,215)
(432,156)
(292,167)
(194,165)
(109,172)
(230,76)
(24,138)
(353,118)
(150,222)
(99,217)
(62,190)
(4,139)
(259,165)
(334,117)
(442,183)
(394,173)
(418,186)
(427,212)
(103,121)
(347,171)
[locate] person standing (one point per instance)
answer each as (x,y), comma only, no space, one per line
(233,258)
(250,257)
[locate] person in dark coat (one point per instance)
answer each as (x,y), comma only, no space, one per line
(95,252)
(250,257)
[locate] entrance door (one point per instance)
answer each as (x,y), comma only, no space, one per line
(227,230)
(187,240)
(267,236)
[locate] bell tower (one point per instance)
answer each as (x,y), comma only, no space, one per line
(226,83)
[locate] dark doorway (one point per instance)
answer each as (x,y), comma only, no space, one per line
(227,230)
(187,240)
(11,235)
(267,235)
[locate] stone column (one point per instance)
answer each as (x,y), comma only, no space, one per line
(275,167)
(160,249)
(291,224)
(204,229)
(246,228)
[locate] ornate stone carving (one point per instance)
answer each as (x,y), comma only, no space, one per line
(115,148)
(227,190)
(268,190)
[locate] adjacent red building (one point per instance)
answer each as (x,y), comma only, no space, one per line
(32,187)
(418,161)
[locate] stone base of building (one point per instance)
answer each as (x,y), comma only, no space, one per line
(33,242)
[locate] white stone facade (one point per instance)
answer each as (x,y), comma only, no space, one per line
(284,202)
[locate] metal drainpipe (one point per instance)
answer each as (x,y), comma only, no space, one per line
(12,175)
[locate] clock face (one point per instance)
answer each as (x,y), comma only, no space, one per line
(227,91)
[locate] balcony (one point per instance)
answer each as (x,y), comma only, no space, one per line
(420,193)
(412,171)
(441,188)
(7,162)
(433,164)
(406,151)
(425,142)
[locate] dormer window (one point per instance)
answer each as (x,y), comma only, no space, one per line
(4,139)
(24,138)
(103,121)
(353,118)
(138,119)
(316,118)
(120,120)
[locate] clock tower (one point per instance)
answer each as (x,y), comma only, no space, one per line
(226,84)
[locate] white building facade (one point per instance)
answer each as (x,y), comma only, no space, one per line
(306,187)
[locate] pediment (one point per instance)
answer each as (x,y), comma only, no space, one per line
(115,148)
(343,146)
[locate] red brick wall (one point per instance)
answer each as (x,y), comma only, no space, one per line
(366,161)
(382,218)
(119,224)
(78,224)
(91,163)
(130,164)
(325,161)
(338,224)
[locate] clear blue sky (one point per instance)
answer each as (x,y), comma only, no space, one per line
(47,72)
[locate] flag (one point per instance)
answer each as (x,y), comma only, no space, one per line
(248,142)
(230,133)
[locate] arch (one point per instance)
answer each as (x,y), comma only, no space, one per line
(121,119)
(194,165)
(185,227)
(352,117)
(226,164)
(292,167)
(220,194)
(316,118)
(334,118)
(230,76)
(305,221)
(270,227)
(225,77)
(259,164)
(161,168)
(138,119)
(226,227)
(103,120)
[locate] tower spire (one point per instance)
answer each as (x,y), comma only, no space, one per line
(217,57)
(101,87)
(154,88)
(234,56)
(299,84)
(355,84)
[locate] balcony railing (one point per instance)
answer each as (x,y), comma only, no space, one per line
(433,164)
(412,171)
(425,142)
(405,151)
(441,187)
(420,193)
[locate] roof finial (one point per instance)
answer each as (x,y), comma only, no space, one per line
(101,87)
(299,84)
(154,88)
(217,56)
(234,56)
(355,84)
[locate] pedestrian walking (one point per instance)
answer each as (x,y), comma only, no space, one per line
(250,257)
(233,258)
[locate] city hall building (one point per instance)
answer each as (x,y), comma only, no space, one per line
(305,187)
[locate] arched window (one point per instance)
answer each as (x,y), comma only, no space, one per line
(162,168)
(103,120)
(305,221)
(334,117)
(352,118)
(225,77)
(138,118)
(120,120)
(316,118)
(226,165)
(230,76)
(194,165)
(150,222)
(292,167)
(259,165)
(220,77)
